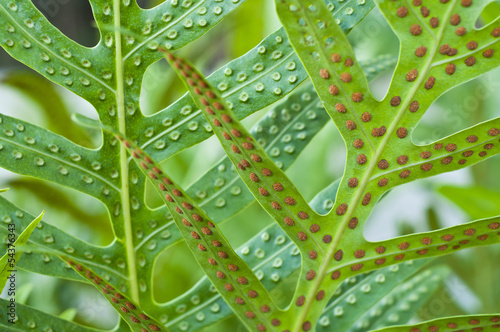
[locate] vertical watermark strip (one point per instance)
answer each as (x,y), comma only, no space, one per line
(11,279)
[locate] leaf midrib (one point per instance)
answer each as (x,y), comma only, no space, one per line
(323,270)
(122,127)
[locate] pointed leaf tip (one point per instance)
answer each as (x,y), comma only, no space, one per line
(85,121)
(93,124)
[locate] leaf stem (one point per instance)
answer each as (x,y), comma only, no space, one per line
(122,127)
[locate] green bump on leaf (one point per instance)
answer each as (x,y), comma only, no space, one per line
(322,203)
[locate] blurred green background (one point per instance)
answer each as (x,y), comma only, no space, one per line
(441,201)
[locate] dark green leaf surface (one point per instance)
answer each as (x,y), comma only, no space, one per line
(359,294)
(30,150)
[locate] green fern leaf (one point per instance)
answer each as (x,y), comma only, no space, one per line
(434,56)
(110,76)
